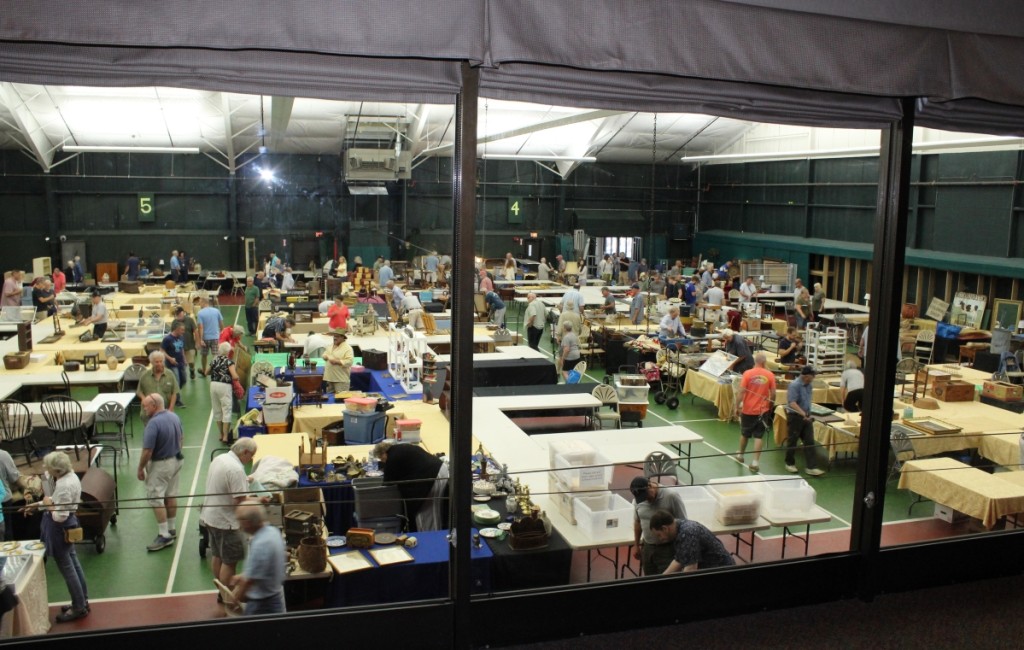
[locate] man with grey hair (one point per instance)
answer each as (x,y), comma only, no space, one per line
(226,487)
(851,382)
(261,587)
(535,317)
(156,379)
(736,345)
(386,274)
(160,466)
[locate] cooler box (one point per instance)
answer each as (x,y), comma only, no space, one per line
(364,428)
(277,404)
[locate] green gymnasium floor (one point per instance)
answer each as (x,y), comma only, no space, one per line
(126,571)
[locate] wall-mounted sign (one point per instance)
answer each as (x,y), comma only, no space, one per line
(147,207)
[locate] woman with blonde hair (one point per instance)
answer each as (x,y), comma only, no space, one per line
(60,522)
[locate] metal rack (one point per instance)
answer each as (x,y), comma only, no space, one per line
(826,349)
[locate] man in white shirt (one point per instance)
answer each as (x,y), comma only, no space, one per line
(543,270)
(748,290)
(573,300)
(670,329)
(851,382)
(798,286)
(535,319)
(413,311)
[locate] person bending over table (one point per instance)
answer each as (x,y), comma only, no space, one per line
(422,480)
(607,302)
(670,329)
(98,319)
(737,346)
(801,426)
(693,545)
(279,329)
(852,384)
(648,498)
(496,307)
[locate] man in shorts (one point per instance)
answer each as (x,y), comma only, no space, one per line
(755,402)
(226,488)
(159,467)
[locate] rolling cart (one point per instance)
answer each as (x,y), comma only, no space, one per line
(98,506)
(632,391)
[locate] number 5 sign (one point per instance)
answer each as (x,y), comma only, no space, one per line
(147,207)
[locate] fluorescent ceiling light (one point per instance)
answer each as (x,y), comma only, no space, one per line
(937,145)
(511,156)
(379,190)
(75,148)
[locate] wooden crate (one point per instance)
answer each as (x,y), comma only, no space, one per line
(954,391)
(1003,391)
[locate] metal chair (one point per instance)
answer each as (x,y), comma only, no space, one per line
(924,346)
(236,286)
(261,368)
(64,415)
(266,305)
(658,464)
(609,397)
(111,413)
(114,350)
(16,426)
(130,384)
(906,374)
(902,450)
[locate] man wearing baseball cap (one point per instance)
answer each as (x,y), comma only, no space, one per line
(798,419)
(648,498)
(338,362)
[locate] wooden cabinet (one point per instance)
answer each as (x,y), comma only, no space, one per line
(110,268)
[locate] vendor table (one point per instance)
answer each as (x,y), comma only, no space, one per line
(513,372)
(791,522)
(550,566)
(426,577)
(32,614)
(966,489)
(433,432)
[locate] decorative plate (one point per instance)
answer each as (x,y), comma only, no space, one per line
(336,541)
(483,498)
(385,538)
(506,526)
(7,547)
(373,473)
(490,533)
(34,546)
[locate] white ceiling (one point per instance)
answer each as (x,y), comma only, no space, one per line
(40,120)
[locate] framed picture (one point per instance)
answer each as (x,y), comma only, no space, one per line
(967,309)
(1006,313)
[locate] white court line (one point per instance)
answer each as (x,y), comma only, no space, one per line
(183,524)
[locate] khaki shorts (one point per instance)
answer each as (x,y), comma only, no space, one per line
(162,480)
(190,356)
(226,544)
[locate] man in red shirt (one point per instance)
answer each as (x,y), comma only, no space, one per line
(338,314)
(755,400)
(231,334)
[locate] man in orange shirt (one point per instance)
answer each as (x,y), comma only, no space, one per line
(338,314)
(755,400)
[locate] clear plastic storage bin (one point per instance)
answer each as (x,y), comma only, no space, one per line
(604,517)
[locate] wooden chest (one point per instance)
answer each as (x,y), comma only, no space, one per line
(954,391)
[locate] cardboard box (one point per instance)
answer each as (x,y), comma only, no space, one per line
(1002,391)
(947,514)
(954,391)
(310,500)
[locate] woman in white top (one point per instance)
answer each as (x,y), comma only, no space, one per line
(510,269)
(59,507)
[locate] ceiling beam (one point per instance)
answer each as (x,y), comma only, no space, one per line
(229,132)
(37,142)
(532,128)
(280,116)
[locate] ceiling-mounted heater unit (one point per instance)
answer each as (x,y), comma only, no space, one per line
(377,165)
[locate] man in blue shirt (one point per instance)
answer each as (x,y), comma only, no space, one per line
(261,587)
(496,306)
(636,305)
(208,333)
(173,346)
(175,267)
(160,466)
(799,422)
(387,274)
(430,263)
(694,546)
(397,295)
(691,293)
(132,266)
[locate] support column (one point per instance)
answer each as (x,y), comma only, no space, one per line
(890,236)
(461,444)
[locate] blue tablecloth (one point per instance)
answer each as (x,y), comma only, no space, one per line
(339,500)
(425,577)
(366,380)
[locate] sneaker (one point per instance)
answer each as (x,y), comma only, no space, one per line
(739,457)
(160,542)
(792,469)
(179,405)
(173,533)
(755,467)
(814,471)
(71,615)
(192,373)
(67,608)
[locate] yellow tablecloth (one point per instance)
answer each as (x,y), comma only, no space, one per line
(434,428)
(1002,448)
(967,489)
(707,387)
